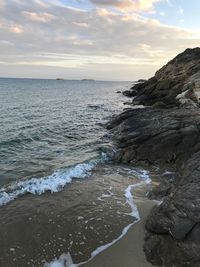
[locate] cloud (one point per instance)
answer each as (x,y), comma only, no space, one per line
(162,13)
(169,3)
(99,42)
(16,28)
(180,11)
(10,26)
(127,5)
(41,16)
(2,3)
(103,12)
(5,43)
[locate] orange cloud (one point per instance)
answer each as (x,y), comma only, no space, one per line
(11,27)
(103,12)
(16,29)
(128,5)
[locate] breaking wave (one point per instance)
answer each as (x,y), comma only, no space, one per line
(52,183)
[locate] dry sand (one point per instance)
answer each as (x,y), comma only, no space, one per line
(128,251)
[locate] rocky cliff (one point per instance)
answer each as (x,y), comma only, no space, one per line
(167,133)
(178,79)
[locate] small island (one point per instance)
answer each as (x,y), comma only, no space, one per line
(88,80)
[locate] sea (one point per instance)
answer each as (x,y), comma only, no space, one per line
(62,198)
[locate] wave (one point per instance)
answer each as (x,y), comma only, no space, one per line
(52,183)
(65,260)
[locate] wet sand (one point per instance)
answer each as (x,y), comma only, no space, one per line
(127,252)
(83,216)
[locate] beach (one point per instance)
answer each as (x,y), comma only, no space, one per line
(58,185)
(128,251)
(99,133)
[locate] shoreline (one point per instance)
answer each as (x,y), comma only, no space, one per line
(128,251)
(131,237)
(167,134)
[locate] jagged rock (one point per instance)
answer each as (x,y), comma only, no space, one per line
(159,104)
(168,134)
(179,75)
(164,136)
(161,191)
(141,80)
(130,93)
(178,218)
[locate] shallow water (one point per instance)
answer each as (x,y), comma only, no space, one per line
(58,193)
(83,216)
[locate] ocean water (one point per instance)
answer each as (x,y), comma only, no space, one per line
(47,124)
(60,196)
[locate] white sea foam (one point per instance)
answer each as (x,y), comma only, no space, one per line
(53,183)
(140,173)
(144,176)
(129,198)
(138,106)
(110,194)
(64,260)
(104,247)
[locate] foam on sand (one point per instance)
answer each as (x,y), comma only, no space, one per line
(142,175)
(64,260)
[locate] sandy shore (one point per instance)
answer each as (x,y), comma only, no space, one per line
(127,252)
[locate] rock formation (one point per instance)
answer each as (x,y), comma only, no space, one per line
(167,133)
(178,79)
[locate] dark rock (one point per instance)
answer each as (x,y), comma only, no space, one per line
(163,250)
(161,191)
(159,104)
(174,78)
(130,93)
(141,80)
(168,134)
(156,135)
(118,92)
(166,137)
(127,103)
(194,235)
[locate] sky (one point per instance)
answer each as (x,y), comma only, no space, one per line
(97,39)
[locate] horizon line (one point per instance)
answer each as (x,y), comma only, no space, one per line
(66,79)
